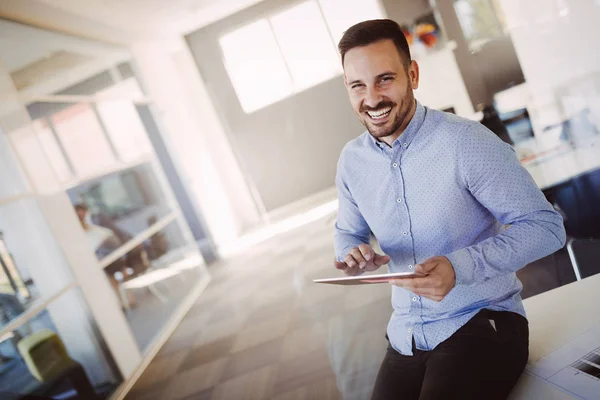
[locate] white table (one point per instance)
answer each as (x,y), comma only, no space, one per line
(564,165)
(555,318)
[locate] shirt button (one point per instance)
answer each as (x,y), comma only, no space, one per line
(408,337)
(410,267)
(405,145)
(414,299)
(395,165)
(399,200)
(409,330)
(405,233)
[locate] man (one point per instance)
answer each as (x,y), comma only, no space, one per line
(447,198)
(104,241)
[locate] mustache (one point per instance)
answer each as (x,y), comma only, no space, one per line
(379,106)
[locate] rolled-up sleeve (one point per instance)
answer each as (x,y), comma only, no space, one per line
(351,229)
(494,176)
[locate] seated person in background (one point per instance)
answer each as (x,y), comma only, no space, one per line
(492,121)
(159,245)
(137,258)
(104,241)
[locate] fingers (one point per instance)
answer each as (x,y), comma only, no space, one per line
(420,269)
(380,260)
(358,257)
(342,266)
(363,258)
(350,261)
(366,251)
(428,265)
(425,289)
(419,284)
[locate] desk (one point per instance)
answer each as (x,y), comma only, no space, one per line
(561,166)
(556,317)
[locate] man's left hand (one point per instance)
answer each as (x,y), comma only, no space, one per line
(437,284)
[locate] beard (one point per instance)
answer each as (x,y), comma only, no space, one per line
(398,115)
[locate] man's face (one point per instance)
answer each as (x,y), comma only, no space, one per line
(380,87)
(81,213)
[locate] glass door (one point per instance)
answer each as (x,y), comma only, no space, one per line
(98,262)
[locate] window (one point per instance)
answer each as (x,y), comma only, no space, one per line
(342,14)
(83,139)
(480,20)
(53,151)
(122,121)
(255,65)
(285,53)
(308,53)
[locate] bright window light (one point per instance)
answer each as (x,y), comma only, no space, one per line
(291,51)
(122,121)
(83,139)
(309,53)
(125,129)
(53,151)
(342,14)
(255,66)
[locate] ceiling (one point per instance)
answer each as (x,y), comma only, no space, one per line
(42,45)
(22,45)
(121,21)
(41,61)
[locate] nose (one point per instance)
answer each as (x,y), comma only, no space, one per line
(372,97)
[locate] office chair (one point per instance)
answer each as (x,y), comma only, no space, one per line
(579,199)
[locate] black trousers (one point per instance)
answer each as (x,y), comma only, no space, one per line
(477,362)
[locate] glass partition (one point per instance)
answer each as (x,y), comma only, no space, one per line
(154,278)
(44,357)
(28,277)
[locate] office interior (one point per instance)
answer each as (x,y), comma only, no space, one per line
(167,185)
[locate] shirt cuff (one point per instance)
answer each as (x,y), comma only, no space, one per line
(464,266)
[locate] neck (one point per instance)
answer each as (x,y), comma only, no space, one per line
(389,140)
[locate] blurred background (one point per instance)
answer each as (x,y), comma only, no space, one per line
(167,182)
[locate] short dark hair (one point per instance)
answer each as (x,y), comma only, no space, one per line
(375,30)
(81,206)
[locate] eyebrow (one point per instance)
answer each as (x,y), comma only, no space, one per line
(378,77)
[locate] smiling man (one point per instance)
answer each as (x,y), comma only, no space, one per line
(444,197)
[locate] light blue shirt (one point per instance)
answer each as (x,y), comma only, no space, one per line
(447,187)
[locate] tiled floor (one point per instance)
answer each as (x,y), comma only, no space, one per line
(150,314)
(263,330)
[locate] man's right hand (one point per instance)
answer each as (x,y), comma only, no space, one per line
(360,259)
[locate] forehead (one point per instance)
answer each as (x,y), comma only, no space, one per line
(371,60)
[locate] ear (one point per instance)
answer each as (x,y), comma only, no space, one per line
(345,81)
(413,74)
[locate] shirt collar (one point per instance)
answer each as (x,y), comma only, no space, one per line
(409,133)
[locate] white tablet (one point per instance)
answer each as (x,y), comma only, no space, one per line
(368,279)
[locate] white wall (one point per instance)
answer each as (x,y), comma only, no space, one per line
(440,82)
(196,139)
(556,42)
